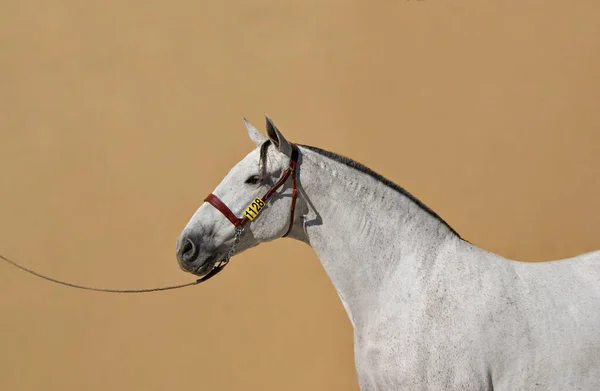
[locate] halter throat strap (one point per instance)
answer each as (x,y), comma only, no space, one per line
(238,222)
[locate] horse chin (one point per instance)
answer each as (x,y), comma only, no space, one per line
(217,256)
(207,265)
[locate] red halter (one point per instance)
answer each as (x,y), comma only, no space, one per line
(256,206)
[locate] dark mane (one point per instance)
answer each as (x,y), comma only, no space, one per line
(366,170)
(262,161)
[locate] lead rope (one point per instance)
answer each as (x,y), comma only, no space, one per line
(225,261)
(96,289)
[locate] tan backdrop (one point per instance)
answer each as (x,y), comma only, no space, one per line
(117,118)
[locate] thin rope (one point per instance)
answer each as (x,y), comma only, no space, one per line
(98,289)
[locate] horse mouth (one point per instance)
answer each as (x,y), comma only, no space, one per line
(207,266)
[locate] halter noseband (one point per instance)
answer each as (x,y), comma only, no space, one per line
(252,211)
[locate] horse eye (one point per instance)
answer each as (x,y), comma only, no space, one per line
(253,180)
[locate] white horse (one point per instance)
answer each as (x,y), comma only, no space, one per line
(430,311)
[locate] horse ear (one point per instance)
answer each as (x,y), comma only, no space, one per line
(277,138)
(257,137)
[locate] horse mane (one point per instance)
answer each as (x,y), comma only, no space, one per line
(366,170)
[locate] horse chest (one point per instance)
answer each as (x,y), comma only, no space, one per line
(397,366)
(409,350)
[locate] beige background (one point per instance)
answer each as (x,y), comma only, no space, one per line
(117,118)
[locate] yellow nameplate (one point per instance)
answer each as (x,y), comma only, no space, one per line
(254,208)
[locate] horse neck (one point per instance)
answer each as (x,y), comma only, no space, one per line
(364,231)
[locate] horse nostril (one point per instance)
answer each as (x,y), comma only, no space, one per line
(189,251)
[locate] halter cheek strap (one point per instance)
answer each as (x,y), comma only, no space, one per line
(256,206)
